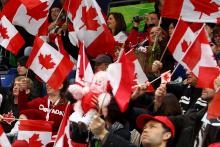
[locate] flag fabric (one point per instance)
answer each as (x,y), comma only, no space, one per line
(140,76)
(35,132)
(10,38)
(90,26)
(121,76)
(4,142)
(139,73)
(192,10)
(213,109)
(166,77)
(31,15)
(63,135)
(59,44)
(200,60)
(49,64)
(84,72)
(183,36)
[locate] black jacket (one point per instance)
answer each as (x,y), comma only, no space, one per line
(187,128)
(8,106)
(186,94)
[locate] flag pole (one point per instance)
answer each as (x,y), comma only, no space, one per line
(68,11)
(120,54)
(59,15)
(156,37)
(84,62)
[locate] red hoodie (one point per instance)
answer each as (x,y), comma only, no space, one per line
(38,109)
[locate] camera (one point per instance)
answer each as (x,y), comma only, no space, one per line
(138,18)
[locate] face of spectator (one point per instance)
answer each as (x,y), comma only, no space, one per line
(191,78)
(101,67)
(54,13)
(154,134)
(153,19)
(16,88)
(153,32)
(171,29)
(22,70)
(53,92)
(111,22)
(216,38)
(207,93)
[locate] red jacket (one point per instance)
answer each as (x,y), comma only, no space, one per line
(38,109)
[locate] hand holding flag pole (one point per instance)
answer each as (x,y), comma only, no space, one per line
(156,37)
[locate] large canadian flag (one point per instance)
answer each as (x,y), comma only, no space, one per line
(31,15)
(4,142)
(10,38)
(121,76)
(35,132)
(49,64)
(84,72)
(193,10)
(183,36)
(199,58)
(90,26)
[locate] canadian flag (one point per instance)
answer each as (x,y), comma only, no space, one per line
(49,64)
(31,15)
(35,132)
(84,72)
(121,76)
(9,36)
(183,36)
(4,142)
(90,26)
(166,77)
(192,10)
(63,135)
(140,76)
(199,58)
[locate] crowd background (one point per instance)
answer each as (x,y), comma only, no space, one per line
(179,104)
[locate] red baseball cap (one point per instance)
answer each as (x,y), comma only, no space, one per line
(143,118)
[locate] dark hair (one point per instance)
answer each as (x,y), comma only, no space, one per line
(54,5)
(169,106)
(114,113)
(120,22)
(158,15)
(22,60)
(64,89)
(216,30)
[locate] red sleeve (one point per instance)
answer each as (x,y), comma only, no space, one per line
(24,104)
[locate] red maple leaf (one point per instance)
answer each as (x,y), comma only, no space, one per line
(38,12)
(205,6)
(88,18)
(9,117)
(3,32)
(34,141)
(184,45)
(46,61)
